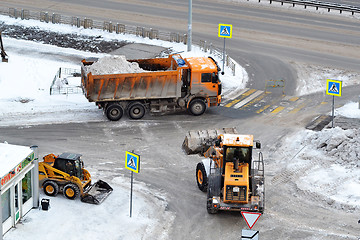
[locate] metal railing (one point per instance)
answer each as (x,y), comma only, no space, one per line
(109,26)
(320,4)
(60,85)
(83,22)
(219,53)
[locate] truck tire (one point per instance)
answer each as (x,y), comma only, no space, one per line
(71,191)
(214,189)
(197,107)
(114,112)
(136,110)
(51,188)
(201,177)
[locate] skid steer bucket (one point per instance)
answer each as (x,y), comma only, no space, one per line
(96,193)
(198,142)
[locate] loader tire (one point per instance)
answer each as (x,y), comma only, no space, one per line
(114,112)
(197,107)
(51,188)
(201,177)
(71,191)
(136,110)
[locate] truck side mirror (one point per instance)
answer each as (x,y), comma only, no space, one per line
(258,145)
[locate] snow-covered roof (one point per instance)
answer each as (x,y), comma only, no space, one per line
(10,156)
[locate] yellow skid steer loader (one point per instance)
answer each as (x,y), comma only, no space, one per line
(66,174)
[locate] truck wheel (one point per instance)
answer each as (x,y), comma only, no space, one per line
(114,112)
(197,107)
(71,191)
(136,110)
(201,177)
(51,188)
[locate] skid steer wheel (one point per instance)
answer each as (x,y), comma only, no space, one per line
(201,177)
(51,188)
(71,191)
(197,107)
(136,110)
(114,112)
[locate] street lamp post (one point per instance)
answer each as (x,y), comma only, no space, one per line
(189,27)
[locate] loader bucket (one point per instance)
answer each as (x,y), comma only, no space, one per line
(96,193)
(198,142)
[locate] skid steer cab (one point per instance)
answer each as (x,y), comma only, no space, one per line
(66,174)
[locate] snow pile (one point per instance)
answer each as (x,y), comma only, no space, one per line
(343,145)
(114,65)
(329,163)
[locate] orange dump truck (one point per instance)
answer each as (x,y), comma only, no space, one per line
(166,85)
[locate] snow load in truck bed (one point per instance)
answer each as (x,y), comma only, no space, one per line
(113,65)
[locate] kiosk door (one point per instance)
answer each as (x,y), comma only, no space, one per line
(17,203)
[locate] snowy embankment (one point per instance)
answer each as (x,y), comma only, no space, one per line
(329,161)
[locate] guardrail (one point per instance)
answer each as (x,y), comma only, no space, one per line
(320,4)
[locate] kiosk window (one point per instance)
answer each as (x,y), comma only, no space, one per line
(5,205)
(26,187)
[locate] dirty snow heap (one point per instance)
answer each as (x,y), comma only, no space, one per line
(114,65)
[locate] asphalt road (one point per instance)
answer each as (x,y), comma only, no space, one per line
(265,42)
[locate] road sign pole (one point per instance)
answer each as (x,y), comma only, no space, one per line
(333,110)
(189,27)
(223,69)
(132,177)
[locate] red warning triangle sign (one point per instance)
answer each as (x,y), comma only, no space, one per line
(250,218)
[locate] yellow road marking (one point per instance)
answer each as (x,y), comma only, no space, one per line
(278,109)
(295,110)
(263,108)
(253,101)
(251,91)
(293,99)
(232,102)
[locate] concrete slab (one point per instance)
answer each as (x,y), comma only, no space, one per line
(139,51)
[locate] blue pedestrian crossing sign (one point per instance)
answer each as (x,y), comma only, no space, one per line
(333,87)
(225,30)
(132,161)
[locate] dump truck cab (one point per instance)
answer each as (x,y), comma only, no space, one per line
(205,82)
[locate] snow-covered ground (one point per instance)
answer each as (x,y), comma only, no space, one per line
(24,100)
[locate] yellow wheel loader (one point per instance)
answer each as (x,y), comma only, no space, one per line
(230,174)
(66,174)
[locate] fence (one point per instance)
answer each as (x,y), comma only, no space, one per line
(219,53)
(60,83)
(84,22)
(319,4)
(111,27)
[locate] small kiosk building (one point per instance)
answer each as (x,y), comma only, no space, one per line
(19,186)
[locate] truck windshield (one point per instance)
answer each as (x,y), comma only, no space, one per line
(209,77)
(241,153)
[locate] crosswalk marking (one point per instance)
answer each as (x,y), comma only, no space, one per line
(248,99)
(277,110)
(263,108)
(254,100)
(242,95)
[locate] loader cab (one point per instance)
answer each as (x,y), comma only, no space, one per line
(70,163)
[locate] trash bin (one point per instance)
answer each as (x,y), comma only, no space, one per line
(45,202)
